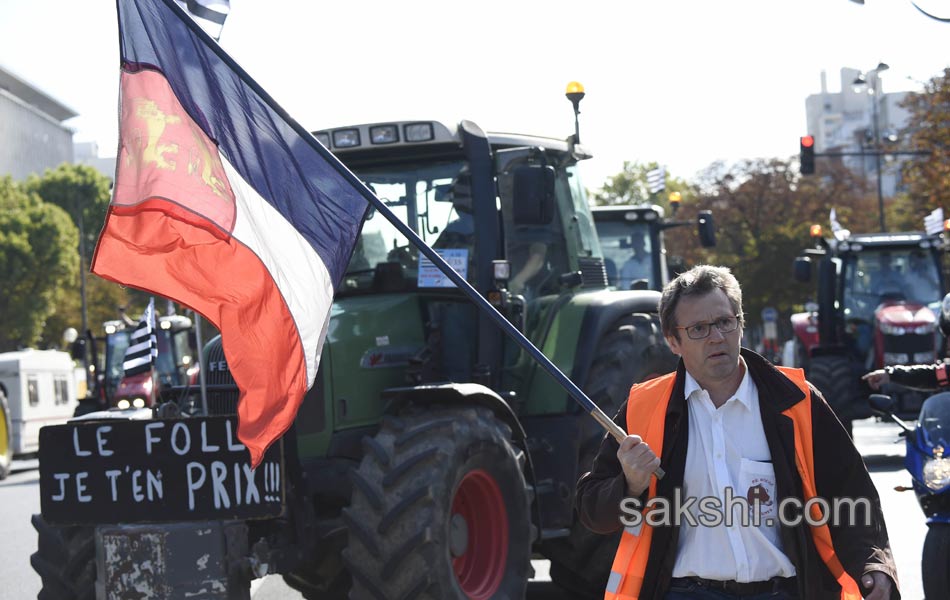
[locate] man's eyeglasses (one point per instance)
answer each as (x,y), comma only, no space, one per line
(698,331)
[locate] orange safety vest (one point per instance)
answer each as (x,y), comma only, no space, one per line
(646,412)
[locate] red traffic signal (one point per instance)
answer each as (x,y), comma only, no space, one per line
(807,154)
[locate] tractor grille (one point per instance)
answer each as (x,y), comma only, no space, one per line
(593,272)
(908,349)
(222,391)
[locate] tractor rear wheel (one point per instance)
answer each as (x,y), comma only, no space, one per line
(835,379)
(440,510)
(65,561)
(6,439)
(632,351)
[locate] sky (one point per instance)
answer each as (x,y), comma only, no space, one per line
(683,83)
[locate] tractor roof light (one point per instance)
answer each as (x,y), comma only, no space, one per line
(815,231)
(946,225)
(383,134)
(650,216)
(418,132)
(632,216)
(164,324)
(323,137)
(843,247)
(574,92)
(346,138)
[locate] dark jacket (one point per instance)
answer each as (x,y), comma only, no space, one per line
(922,377)
(839,472)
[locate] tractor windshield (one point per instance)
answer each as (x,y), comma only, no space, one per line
(627,252)
(875,275)
(435,200)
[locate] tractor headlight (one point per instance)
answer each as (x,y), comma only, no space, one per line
(418,132)
(138,402)
(925,328)
(123,404)
(936,473)
(383,134)
(888,329)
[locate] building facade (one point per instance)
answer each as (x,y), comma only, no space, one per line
(852,119)
(32,135)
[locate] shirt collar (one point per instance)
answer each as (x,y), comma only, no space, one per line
(743,393)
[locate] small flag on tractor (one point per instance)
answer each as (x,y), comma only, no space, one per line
(208,14)
(143,344)
(656,180)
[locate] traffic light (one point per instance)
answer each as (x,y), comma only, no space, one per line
(807,154)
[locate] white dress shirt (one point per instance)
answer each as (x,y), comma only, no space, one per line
(727,449)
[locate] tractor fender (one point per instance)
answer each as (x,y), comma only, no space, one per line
(602,312)
(397,399)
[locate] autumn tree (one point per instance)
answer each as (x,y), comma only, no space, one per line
(763,210)
(927,178)
(37,256)
(630,187)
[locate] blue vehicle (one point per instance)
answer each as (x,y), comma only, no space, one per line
(928,461)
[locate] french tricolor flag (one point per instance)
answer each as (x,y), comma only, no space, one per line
(225,204)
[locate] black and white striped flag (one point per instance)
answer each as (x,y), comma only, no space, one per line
(656,180)
(209,14)
(143,344)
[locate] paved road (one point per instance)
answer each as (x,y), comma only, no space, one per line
(19,499)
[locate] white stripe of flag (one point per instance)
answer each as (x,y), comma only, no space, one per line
(143,344)
(656,180)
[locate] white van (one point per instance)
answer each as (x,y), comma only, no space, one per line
(40,389)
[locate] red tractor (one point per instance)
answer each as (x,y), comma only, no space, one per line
(877,301)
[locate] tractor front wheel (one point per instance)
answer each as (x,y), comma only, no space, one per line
(837,382)
(65,561)
(6,439)
(440,510)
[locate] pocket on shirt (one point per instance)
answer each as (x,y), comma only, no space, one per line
(757,481)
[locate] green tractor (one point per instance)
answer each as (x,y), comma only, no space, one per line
(631,237)
(433,457)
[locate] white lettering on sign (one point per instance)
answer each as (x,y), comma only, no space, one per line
(205,446)
(101,441)
(177,430)
(150,438)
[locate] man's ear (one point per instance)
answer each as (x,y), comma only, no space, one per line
(674,344)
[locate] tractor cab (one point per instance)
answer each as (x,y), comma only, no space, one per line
(631,238)
(174,365)
(878,298)
(508,212)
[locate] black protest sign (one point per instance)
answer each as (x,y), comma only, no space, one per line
(118,471)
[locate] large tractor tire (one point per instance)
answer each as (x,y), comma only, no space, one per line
(935,565)
(6,437)
(631,351)
(65,561)
(440,510)
(835,379)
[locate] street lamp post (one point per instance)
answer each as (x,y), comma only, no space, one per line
(873,84)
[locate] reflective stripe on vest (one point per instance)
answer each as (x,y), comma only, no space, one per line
(646,411)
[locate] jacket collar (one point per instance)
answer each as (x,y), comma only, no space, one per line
(776,391)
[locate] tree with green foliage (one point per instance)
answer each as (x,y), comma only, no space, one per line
(83,193)
(927,178)
(630,187)
(37,255)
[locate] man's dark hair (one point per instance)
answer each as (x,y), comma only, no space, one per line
(698,281)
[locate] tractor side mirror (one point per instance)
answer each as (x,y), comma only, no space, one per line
(533,202)
(78,349)
(802,269)
(706,228)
